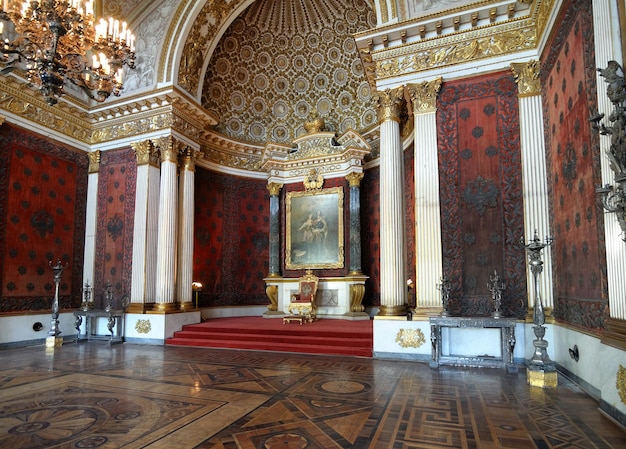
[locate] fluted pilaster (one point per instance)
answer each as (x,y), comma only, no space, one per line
(91,222)
(168,211)
(534,176)
(184,276)
(604,17)
(354,179)
(145,231)
(393,294)
(428,249)
(274,237)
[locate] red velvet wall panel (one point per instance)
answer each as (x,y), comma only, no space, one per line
(231,244)
(42,219)
(117,183)
(568,80)
(481,193)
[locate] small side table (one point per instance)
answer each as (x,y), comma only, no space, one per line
(114,324)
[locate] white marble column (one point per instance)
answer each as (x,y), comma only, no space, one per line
(91,223)
(143,280)
(184,276)
(428,247)
(534,179)
(168,217)
(608,47)
(393,290)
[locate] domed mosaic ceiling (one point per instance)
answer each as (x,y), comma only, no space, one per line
(282,61)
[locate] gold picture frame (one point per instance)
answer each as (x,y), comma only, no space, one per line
(314,228)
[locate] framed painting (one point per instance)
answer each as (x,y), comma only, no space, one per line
(314,229)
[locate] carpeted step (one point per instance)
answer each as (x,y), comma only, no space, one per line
(337,337)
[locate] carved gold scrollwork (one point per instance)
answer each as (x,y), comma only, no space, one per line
(621,383)
(410,338)
(272,293)
(389,104)
(94,161)
(357,292)
(314,180)
(424,95)
(527,77)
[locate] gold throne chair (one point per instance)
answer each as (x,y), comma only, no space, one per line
(302,305)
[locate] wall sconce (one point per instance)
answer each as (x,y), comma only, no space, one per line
(614,196)
(196,287)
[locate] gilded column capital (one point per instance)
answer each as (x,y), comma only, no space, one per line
(354,179)
(2,119)
(166,147)
(145,153)
(94,161)
(389,104)
(274,188)
(527,77)
(188,158)
(424,95)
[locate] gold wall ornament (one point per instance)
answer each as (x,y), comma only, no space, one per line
(274,188)
(389,103)
(410,338)
(424,95)
(143,326)
(620,383)
(357,292)
(527,77)
(94,161)
(314,180)
(354,179)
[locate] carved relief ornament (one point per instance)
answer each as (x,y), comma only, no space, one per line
(94,161)
(354,179)
(274,188)
(145,153)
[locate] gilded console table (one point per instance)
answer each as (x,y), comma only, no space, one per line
(507,342)
(114,324)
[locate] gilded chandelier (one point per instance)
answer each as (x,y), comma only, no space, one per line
(55,42)
(614,196)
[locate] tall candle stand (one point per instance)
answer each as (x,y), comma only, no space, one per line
(496,287)
(541,371)
(445,288)
(87,304)
(53,338)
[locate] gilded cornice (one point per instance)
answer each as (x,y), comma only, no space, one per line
(17,99)
(231,153)
(94,161)
(424,95)
(457,48)
(527,78)
(453,36)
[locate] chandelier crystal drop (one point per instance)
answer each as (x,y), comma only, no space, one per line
(55,42)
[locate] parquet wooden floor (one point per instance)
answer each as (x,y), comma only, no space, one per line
(131,396)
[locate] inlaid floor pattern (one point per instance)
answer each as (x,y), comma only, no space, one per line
(90,395)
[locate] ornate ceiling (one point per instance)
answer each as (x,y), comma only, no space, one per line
(281,61)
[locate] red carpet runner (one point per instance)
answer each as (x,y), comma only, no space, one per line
(325,336)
